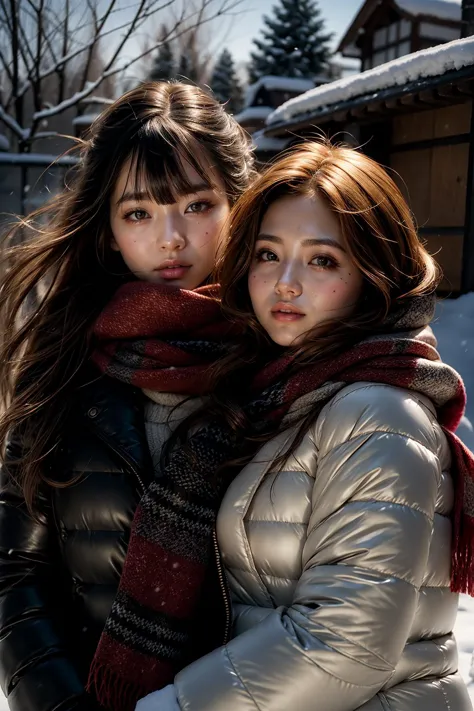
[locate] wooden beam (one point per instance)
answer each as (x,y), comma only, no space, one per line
(432,143)
(358,112)
(377,107)
(447,91)
(465,88)
(409,100)
(341,116)
(429,98)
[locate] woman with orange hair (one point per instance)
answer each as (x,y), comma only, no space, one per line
(346,530)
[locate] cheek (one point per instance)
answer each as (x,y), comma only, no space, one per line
(205,238)
(344,292)
(258,285)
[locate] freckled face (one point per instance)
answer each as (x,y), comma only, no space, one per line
(168,244)
(301,275)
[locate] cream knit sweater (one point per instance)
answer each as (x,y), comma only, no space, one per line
(163,413)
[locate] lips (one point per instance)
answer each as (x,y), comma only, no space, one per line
(172,269)
(286,312)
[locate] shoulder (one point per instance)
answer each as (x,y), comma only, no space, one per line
(365,408)
(378,443)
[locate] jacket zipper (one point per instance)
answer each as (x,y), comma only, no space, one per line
(222,582)
(123,458)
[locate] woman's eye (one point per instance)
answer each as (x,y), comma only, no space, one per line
(323,262)
(136,215)
(199,206)
(266,255)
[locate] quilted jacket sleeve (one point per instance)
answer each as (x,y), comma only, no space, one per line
(364,558)
(35,673)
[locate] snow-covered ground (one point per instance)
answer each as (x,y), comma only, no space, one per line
(454,329)
(464,631)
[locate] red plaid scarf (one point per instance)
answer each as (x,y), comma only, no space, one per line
(148,635)
(161,338)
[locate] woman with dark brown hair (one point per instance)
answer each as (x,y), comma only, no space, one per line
(349,531)
(94,377)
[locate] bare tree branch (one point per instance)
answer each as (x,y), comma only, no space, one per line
(15,55)
(98,27)
(47,36)
(13,125)
(61,68)
(67,58)
(6,66)
(20,49)
(42,50)
(36,83)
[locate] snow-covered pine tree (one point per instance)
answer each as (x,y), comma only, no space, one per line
(163,66)
(225,83)
(294,43)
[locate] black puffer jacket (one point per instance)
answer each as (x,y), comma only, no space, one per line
(59,576)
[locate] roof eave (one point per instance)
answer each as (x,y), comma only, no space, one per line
(324,113)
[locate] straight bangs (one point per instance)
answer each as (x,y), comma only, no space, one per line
(157,164)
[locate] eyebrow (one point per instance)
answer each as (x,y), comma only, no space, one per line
(142,196)
(313,242)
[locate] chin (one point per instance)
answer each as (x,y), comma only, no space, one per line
(285,339)
(176,283)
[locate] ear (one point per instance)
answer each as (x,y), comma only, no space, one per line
(114,245)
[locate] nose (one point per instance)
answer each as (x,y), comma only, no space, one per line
(288,284)
(171,237)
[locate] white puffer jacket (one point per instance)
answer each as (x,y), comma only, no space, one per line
(339,569)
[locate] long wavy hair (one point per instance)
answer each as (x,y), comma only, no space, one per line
(380,236)
(66,247)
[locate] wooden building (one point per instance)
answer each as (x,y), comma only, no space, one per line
(387,29)
(415,116)
(267,94)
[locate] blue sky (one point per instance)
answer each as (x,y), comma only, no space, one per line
(247,25)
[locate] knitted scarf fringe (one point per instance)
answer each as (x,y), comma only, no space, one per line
(462,547)
(113,691)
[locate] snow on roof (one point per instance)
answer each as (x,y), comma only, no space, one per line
(84,119)
(253,112)
(267,143)
(431,62)
(281,83)
(4,143)
(442,9)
